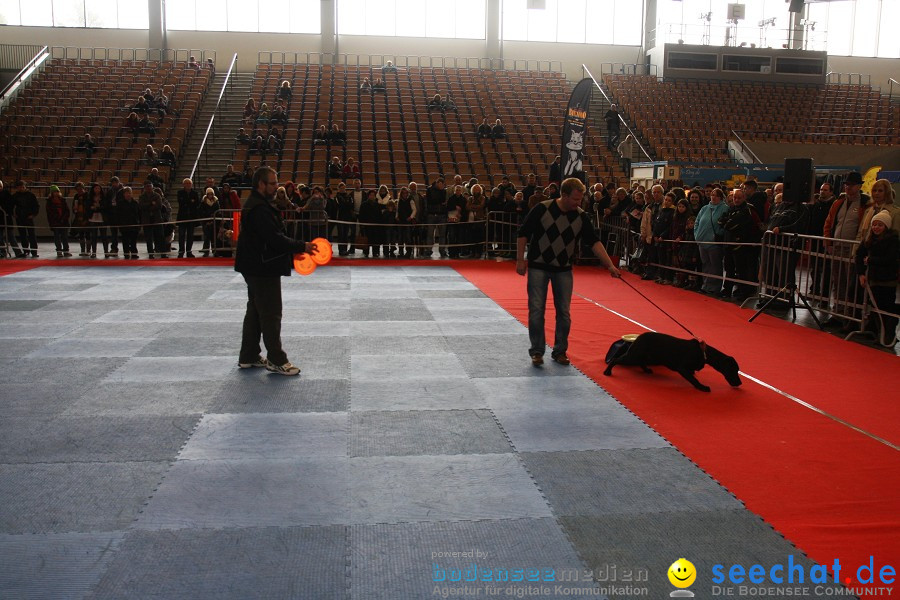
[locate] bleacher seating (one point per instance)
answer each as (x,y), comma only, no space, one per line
(691,120)
(395,139)
(39,131)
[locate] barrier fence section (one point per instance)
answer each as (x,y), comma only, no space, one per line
(820,269)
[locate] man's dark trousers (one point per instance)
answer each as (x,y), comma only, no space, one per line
(263,318)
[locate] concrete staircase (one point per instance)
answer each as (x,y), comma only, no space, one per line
(220,144)
(599,106)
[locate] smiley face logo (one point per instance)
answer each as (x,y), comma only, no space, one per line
(682,573)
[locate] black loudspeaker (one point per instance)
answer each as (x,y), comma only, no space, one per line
(796,6)
(799,180)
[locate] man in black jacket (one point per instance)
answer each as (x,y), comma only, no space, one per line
(26,208)
(188,204)
(741,226)
(264,255)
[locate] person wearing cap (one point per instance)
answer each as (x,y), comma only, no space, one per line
(876,264)
(58,219)
(842,227)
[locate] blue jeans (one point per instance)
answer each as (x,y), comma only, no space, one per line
(561,283)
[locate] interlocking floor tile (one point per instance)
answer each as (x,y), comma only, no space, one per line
(426,432)
(75,497)
(605,482)
(145,398)
(257,391)
(408,561)
(90,347)
(559,427)
(614,544)
(389,345)
(265,562)
(216,494)
(469,487)
(89,439)
(145,369)
(417,394)
(61,566)
(406,366)
(268,436)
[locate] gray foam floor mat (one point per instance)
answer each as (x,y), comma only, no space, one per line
(265,562)
(144,463)
(61,566)
(426,432)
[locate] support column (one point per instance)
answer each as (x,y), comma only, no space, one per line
(157,13)
(651,36)
(329,44)
(493,42)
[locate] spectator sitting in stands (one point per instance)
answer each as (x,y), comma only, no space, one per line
(247,179)
(263,115)
(279,116)
(365,86)
(231,177)
(211,66)
(379,86)
(285,92)
(141,105)
(86,145)
(250,109)
(148,96)
(320,136)
(497,131)
(150,156)
(162,103)
(156,179)
(351,170)
(436,102)
(145,125)
(258,145)
(335,168)
(336,136)
(389,67)
(131,122)
(193,64)
(273,144)
(167,156)
(242,137)
(448,104)
(484,130)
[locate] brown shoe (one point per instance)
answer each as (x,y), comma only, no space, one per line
(537,360)
(561,358)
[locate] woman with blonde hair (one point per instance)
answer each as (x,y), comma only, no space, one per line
(882,199)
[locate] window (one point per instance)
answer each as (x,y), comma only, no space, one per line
(412,18)
(67,13)
(574,21)
(264,16)
(865,27)
(37,12)
(101,13)
(9,12)
(888,40)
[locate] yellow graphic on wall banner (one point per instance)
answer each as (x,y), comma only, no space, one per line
(869,179)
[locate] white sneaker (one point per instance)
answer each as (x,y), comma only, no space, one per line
(285,369)
(258,363)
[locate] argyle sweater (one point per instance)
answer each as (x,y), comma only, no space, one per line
(554,235)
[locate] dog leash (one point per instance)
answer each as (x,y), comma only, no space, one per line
(622,279)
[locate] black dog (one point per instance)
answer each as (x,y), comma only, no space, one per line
(682,356)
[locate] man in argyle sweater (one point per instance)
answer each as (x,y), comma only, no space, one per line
(553,230)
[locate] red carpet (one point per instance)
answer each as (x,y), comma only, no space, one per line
(834,492)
